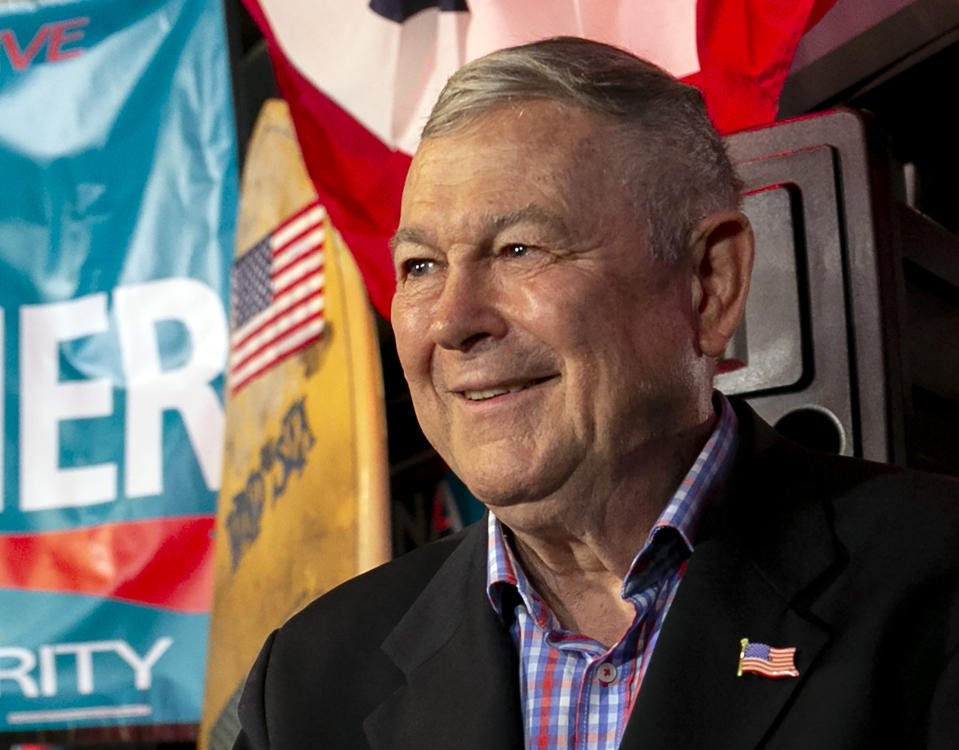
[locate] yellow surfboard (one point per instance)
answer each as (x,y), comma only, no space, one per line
(304,498)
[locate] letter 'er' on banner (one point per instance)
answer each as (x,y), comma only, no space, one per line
(303,504)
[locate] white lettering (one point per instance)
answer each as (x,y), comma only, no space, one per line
(48,670)
(83,653)
(45,402)
(46,662)
(20,673)
(142,668)
(186,389)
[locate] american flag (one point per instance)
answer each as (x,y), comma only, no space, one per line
(758,658)
(277,296)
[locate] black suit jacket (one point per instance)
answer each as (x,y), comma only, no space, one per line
(854,564)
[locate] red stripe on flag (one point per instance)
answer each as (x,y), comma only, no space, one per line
(285,333)
(304,276)
(279,314)
(259,371)
(283,265)
(162,562)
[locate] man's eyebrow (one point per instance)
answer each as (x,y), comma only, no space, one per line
(530,213)
(491,224)
(411,235)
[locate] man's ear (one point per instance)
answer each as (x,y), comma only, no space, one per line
(722,257)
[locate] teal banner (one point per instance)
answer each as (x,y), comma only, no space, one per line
(118,193)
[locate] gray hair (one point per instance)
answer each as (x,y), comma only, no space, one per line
(677,170)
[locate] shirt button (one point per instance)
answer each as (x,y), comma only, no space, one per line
(606,673)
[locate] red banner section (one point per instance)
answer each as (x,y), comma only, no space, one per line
(162,562)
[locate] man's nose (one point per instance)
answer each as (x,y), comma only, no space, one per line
(467,313)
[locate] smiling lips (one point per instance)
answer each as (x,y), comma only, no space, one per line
(501,390)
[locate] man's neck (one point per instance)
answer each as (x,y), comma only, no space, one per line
(578,559)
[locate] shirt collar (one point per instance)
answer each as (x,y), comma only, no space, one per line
(682,513)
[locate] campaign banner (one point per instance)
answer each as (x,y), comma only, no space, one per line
(118,193)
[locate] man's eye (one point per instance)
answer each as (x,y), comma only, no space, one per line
(417,267)
(516,250)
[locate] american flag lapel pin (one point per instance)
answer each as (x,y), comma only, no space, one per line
(758,658)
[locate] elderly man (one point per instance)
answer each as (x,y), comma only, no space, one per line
(658,569)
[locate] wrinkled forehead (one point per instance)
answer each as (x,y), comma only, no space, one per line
(514,108)
(524,142)
(537,124)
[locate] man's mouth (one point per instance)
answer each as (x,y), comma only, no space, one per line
(487,393)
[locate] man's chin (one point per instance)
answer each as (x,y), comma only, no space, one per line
(511,473)
(501,494)
(520,505)
(496,496)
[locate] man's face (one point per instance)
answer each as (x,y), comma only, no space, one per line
(544,350)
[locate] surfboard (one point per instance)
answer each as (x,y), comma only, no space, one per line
(304,499)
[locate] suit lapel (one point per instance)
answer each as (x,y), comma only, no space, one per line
(459,665)
(763,553)
(691,696)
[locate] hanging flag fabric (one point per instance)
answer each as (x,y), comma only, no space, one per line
(118,195)
(745,50)
(361,77)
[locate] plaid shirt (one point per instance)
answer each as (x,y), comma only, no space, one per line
(576,693)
